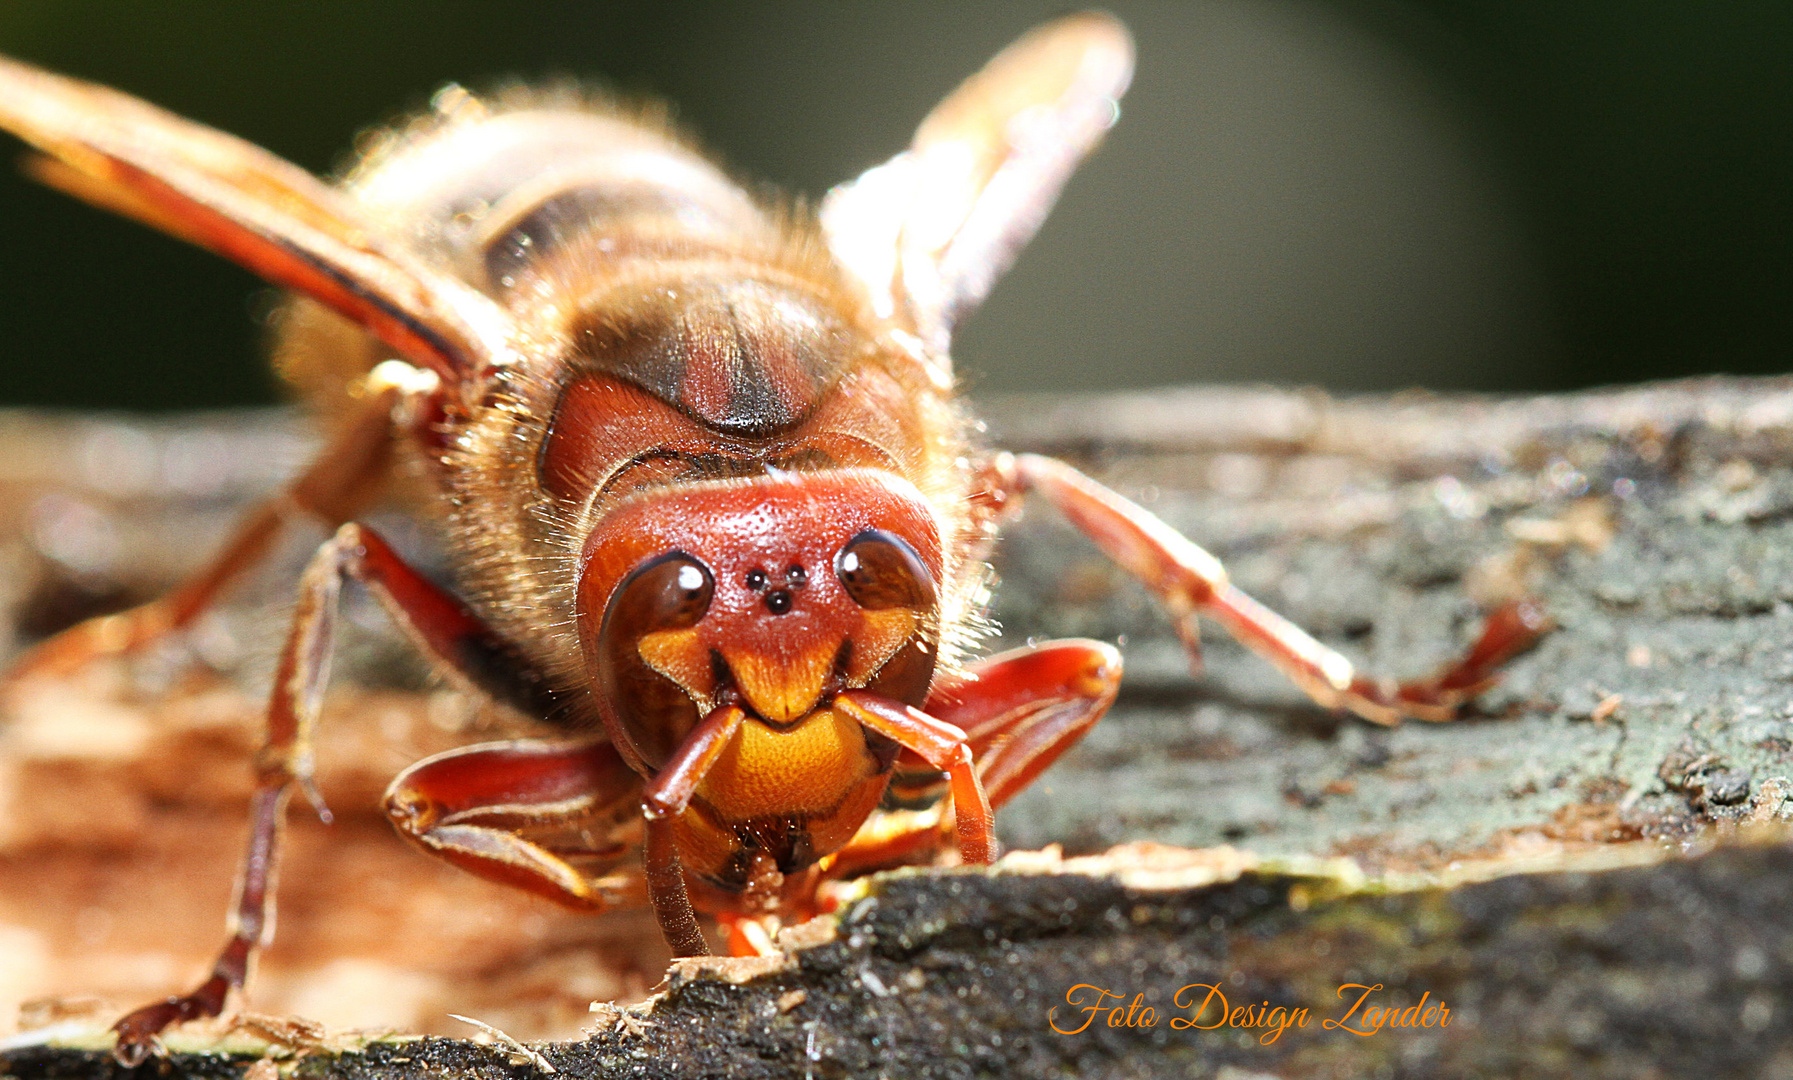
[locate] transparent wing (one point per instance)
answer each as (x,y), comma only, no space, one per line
(254,208)
(930,231)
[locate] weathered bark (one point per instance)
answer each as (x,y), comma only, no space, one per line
(1652,523)
(1377,523)
(1675,969)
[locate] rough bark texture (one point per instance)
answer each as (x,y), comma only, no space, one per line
(1653,524)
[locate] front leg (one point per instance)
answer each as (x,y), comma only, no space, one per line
(1191,582)
(664,798)
(1020,710)
(529,813)
(441,624)
(944,747)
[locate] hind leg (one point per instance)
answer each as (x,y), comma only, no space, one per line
(332,489)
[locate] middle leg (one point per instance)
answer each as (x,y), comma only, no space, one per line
(445,627)
(1191,582)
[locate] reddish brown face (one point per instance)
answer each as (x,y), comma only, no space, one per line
(772,593)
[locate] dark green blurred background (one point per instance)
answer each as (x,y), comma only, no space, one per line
(1451,193)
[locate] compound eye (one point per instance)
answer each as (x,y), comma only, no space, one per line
(671,592)
(880,570)
(668,593)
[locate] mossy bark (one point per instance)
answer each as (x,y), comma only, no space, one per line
(1655,525)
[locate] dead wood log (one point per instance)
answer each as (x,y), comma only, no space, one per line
(1653,523)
